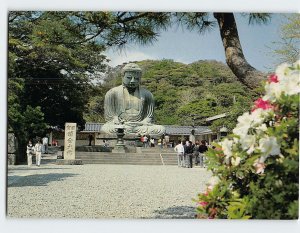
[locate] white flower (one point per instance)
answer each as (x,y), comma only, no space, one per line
(259,115)
(227,147)
(282,70)
(273,91)
(248,143)
(235,161)
(213,181)
(247,121)
(235,140)
(289,82)
(269,146)
(243,125)
(262,128)
(262,159)
(241,130)
(297,65)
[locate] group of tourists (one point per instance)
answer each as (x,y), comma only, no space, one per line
(190,153)
(162,142)
(41,147)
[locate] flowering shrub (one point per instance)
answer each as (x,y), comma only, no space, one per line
(257,167)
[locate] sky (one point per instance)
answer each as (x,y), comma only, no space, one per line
(184,46)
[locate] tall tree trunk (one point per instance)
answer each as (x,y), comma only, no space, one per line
(235,59)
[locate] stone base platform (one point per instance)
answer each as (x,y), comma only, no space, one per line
(69,162)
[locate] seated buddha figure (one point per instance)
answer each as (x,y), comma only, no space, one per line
(131,106)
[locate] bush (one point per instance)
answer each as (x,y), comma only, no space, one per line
(256,169)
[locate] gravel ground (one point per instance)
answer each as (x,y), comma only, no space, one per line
(103,191)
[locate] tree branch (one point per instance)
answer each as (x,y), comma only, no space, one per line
(235,58)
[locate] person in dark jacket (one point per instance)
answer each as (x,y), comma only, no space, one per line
(202,149)
(189,154)
(196,152)
(90,138)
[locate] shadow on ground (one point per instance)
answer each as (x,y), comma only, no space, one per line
(176,212)
(34,168)
(37,179)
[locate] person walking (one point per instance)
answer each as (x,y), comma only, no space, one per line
(45,145)
(145,141)
(202,149)
(189,154)
(38,152)
(29,152)
(185,154)
(180,152)
(90,138)
(152,142)
(196,152)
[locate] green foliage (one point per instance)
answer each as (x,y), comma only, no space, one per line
(288,47)
(33,123)
(204,88)
(95,108)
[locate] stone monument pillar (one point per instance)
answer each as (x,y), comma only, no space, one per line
(70,141)
(69,145)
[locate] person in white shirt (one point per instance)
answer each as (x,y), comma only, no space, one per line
(167,140)
(152,142)
(38,152)
(45,145)
(29,152)
(180,154)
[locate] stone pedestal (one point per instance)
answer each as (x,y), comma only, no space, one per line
(119,149)
(69,162)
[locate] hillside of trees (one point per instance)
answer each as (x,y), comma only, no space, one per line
(201,89)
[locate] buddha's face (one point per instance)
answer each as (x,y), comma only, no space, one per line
(132,79)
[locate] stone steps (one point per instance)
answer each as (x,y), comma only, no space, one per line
(127,158)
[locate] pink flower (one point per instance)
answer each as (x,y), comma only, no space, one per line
(203,203)
(263,104)
(273,79)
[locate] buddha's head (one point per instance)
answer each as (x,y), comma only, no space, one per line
(132,74)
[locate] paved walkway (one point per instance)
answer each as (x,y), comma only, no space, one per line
(103,191)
